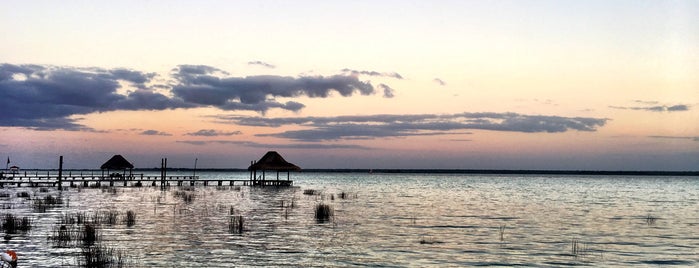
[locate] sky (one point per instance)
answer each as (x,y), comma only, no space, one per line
(562,85)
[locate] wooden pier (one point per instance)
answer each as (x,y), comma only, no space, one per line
(135,180)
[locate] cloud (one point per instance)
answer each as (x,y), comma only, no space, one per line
(440,82)
(278,146)
(152,132)
(388,92)
(652,106)
(213,133)
(372,73)
(261,63)
(44,97)
(257,93)
(382,126)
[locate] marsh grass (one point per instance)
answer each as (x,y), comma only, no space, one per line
(130,219)
(188,198)
(501,231)
(650,220)
(579,249)
(43,204)
(99,256)
(323,212)
(12,224)
(236,224)
(310,192)
(24,195)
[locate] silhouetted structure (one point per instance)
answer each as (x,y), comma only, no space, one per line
(117,162)
(271,161)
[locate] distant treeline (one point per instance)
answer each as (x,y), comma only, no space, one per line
(422,171)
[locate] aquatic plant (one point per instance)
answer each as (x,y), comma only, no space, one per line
(12,224)
(578,249)
(109,217)
(310,192)
(236,224)
(23,195)
(650,220)
(323,212)
(502,232)
(100,256)
(89,235)
(62,236)
(188,198)
(130,218)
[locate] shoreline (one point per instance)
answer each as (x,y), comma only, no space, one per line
(415,171)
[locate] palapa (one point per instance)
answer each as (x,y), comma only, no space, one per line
(117,162)
(271,161)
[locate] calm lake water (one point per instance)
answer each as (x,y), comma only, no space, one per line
(387,220)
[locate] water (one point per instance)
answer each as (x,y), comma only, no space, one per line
(386,220)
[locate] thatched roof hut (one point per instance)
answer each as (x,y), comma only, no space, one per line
(272,161)
(117,162)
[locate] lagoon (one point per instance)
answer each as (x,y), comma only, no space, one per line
(387,220)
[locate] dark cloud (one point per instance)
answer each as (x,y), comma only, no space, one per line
(372,73)
(388,92)
(380,126)
(257,93)
(278,146)
(261,63)
(49,97)
(152,132)
(213,133)
(651,106)
(46,97)
(440,82)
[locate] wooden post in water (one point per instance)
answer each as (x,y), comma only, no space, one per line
(60,171)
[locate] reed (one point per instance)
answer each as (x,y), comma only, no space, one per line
(23,195)
(62,236)
(577,248)
(650,220)
(188,198)
(109,217)
(310,192)
(89,235)
(323,212)
(501,230)
(12,224)
(130,218)
(236,224)
(100,256)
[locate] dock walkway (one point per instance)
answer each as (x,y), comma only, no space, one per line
(135,180)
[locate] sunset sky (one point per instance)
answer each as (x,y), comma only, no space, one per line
(575,85)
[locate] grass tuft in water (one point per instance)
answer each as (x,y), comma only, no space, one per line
(236,224)
(24,195)
(12,224)
(100,256)
(188,198)
(650,220)
(578,249)
(323,212)
(130,218)
(310,192)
